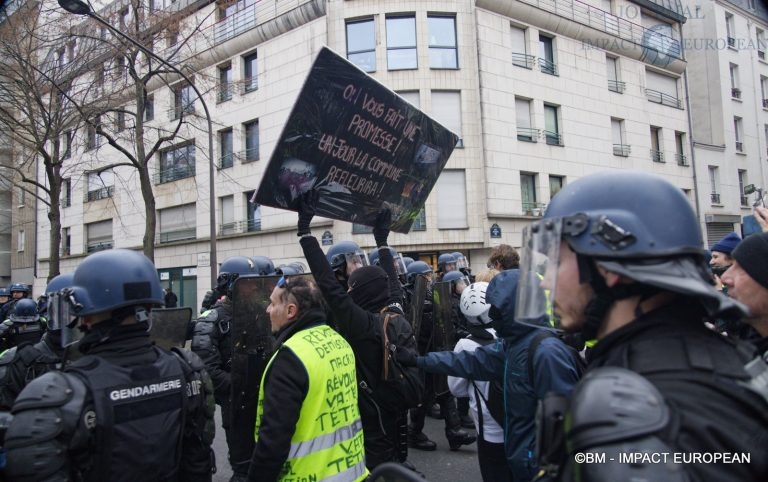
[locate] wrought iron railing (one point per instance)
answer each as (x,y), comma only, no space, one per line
(101,193)
(177,235)
(528,134)
(174,174)
(622,150)
(553,138)
(657,156)
(714,198)
(617,86)
(662,98)
(681,160)
(239,227)
(99,246)
(548,66)
(523,60)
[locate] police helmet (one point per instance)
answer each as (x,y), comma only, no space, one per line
(407,260)
(116,278)
(230,269)
(473,305)
(263,266)
(4,291)
(373,258)
(456,278)
(59,282)
(25,311)
(446,261)
(344,252)
(52,310)
(461,260)
(416,268)
(20,287)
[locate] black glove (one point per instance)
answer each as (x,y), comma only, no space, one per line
(381,229)
(406,358)
(306,207)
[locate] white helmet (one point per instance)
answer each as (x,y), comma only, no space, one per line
(473,304)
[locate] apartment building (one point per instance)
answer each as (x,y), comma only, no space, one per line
(539,92)
(728,81)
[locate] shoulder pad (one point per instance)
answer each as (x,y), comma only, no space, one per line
(8,355)
(52,389)
(210,315)
(190,358)
(612,404)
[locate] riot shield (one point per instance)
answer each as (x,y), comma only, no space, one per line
(170,326)
(416,309)
(442,332)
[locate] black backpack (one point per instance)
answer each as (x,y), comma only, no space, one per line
(399,386)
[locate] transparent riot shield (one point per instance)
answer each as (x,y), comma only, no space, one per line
(416,308)
(170,326)
(442,332)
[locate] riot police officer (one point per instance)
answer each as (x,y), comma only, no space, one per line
(345,257)
(18,291)
(5,296)
(212,339)
(126,410)
(24,324)
(446,263)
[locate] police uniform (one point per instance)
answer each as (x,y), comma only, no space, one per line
(23,363)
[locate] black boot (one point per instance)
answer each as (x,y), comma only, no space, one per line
(420,441)
(458,437)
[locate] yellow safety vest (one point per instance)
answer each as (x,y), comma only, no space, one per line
(327,444)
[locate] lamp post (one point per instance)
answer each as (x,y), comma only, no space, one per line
(78,7)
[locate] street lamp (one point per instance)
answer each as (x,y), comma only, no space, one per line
(79,7)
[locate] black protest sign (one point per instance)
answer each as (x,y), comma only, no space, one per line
(357,143)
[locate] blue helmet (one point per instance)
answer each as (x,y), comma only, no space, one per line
(44,304)
(444,261)
(344,252)
(461,260)
(416,268)
(263,266)
(373,258)
(4,291)
(21,287)
(231,269)
(458,279)
(407,260)
(59,282)
(25,311)
(112,279)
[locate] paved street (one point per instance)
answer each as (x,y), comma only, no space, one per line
(440,465)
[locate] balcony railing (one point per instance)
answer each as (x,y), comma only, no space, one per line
(657,156)
(553,138)
(102,193)
(714,198)
(177,235)
(732,42)
(225,161)
(225,92)
(527,134)
(616,86)
(249,84)
(174,174)
(681,160)
(534,208)
(98,246)
(622,150)
(523,60)
(236,24)
(736,93)
(739,146)
(744,200)
(239,227)
(548,66)
(175,113)
(662,98)
(248,155)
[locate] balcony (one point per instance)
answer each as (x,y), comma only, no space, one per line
(534,208)
(657,156)
(731,43)
(736,93)
(239,227)
(174,173)
(527,134)
(177,235)
(548,67)
(236,24)
(225,92)
(622,150)
(714,198)
(616,86)
(662,98)
(681,160)
(523,60)
(739,146)
(226,161)
(92,247)
(96,194)
(553,138)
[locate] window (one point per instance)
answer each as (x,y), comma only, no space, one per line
(442,42)
(547,55)
(528,193)
(620,146)
(730,29)
(66,192)
(520,55)
(66,144)
(743,201)
(226,145)
(98,236)
(764,90)
(225,83)
(149,108)
(680,149)
(20,241)
(765,130)
(551,126)
(760,41)
(446,109)
(172,36)
(250,73)
(235,17)
(93,139)
(451,199)
(178,162)
(361,44)
(252,212)
(120,121)
(714,183)
(251,141)
(735,90)
(227,215)
(98,74)
(177,223)
(66,242)
(738,133)
(555,184)
(656,153)
(525,130)
(401,43)
(612,71)
(411,96)
(101,185)
(183,101)
(420,223)
(22,196)
(662,89)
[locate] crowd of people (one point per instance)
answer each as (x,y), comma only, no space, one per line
(612,346)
